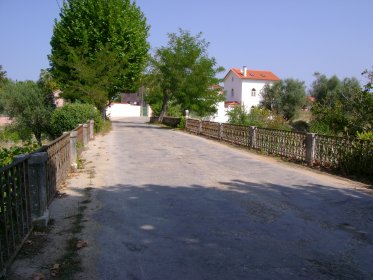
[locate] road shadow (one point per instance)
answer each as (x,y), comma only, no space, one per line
(234,230)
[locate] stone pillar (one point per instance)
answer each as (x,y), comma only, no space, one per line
(252,136)
(91,129)
(73,151)
(200,127)
(85,134)
(37,169)
(310,148)
(221,126)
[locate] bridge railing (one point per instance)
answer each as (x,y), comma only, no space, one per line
(29,184)
(347,155)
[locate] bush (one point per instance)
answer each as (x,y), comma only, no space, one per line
(7,154)
(259,117)
(181,125)
(69,116)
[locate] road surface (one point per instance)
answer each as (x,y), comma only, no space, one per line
(177,206)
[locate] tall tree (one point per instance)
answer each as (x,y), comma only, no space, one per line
(28,105)
(183,73)
(92,37)
(284,97)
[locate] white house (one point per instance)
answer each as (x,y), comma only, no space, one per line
(244,87)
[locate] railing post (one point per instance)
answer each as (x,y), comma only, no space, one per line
(85,134)
(73,151)
(310,148)
(91,129)
(37,168)
(200,127)
(252,135)
(221,127)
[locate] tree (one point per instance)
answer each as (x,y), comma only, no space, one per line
(284,97)
(93,36)
(345,108)
(28,105)
(3,77)
(183,74)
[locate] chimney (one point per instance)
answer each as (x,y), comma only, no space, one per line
(244,71)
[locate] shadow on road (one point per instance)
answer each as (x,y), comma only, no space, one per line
(237,230)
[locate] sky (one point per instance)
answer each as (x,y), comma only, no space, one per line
(291,38)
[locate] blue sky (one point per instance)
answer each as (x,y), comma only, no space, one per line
(292,38)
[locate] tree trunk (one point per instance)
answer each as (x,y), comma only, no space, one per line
(166,99)
(38,138)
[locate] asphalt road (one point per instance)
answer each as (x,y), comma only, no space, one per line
(178,206)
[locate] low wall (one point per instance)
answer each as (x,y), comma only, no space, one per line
(29,184)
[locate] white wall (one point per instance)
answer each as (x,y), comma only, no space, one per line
(117,110)
(220,115)
(247,87)
(229,85)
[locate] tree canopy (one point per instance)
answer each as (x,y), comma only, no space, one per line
(28,105)
(183,74)
(342,106)
(99,49)
(285,97)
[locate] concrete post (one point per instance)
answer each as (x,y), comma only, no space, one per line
(37,168)
(221,126)
(310,148)
(200,127)
(252,136)
(91,129)
(73,151)
(85,134)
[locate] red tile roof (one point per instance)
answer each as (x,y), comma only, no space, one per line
(255,75)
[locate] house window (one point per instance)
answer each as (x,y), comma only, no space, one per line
(232,92)
(253,92)
(232,79)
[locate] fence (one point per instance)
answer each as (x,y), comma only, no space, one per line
(29,184)
(15,210)
(349,156)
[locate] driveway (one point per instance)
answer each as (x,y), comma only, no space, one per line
(177,206)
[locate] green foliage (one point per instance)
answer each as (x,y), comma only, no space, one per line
(3,77)
(259,117)
(7,154)
(47,83)
(13,134)
(182,123)
(343,108)
(99,48)
(366,135)
(29,107)
(182,73)
(284,97)
(69,116)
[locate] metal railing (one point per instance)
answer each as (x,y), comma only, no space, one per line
(15,210)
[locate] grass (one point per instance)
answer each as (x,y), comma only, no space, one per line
(70,262)
(106,127)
